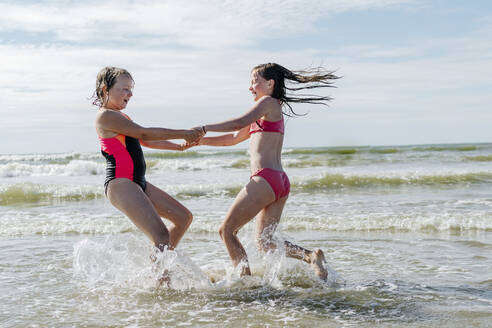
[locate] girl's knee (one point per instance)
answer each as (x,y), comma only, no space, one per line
(185,219)
(188,218)
(225,231)
(222,231)
(182,219)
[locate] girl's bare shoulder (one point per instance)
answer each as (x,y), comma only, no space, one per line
(272,107)
(104,114)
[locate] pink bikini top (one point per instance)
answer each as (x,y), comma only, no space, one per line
(267,126)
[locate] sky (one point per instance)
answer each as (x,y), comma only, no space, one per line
(413,71)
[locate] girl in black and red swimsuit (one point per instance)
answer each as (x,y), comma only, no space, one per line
(125,185)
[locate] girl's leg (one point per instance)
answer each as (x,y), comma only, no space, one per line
(267,222)
(256,195)
(130,199)
(169,208)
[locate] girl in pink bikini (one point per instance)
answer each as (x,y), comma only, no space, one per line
(268,188)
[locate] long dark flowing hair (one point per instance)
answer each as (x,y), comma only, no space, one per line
(312,78)
(106,78)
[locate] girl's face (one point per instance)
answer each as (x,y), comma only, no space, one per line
(259,86)
(120,93)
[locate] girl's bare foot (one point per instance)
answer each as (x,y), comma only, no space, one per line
(245,271)
(317,258)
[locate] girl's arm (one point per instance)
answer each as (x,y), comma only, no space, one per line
(229,139)
(260,108)
(162,144)
(112,121)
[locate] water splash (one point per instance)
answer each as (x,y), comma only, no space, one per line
(130,262)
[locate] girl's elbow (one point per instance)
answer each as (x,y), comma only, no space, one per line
(143,134)
(241,124)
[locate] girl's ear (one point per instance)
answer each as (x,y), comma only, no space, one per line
(105,95)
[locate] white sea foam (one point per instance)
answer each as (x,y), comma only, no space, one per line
(72,168)
(424,222)
(15,223)
(106,220)
(130,262)
(191,164)
(56,157)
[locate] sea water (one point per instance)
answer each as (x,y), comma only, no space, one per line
(406,231)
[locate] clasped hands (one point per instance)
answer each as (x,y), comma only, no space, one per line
(193,139)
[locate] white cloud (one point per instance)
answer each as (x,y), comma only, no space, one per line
(191,63)
(193,23)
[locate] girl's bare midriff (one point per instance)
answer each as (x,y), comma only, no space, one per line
(265,149)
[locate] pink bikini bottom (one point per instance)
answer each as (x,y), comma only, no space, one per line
(278,180)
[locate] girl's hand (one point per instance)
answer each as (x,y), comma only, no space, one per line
(193,135)
(185,145)
(201,131)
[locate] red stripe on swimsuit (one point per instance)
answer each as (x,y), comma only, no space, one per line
(124,159)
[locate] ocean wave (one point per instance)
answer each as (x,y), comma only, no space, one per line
(172,154)
(339,181)
(165,165)
(484,158)
(72,168)
(35,193)
(60,158)
(31,193)
(86,167)
(302,162)
(446,148)
(323,162)
(11,194)
(23,222)
(75,164)
(240,164)
(209,192)
(384,150)
(64,158)
(306,163)
(396,222)
(193,154)
(313,151)
(76,222)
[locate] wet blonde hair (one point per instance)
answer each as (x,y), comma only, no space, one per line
(107,78)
